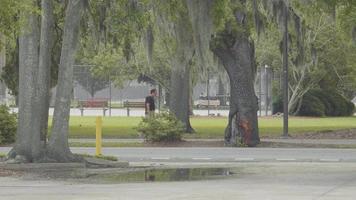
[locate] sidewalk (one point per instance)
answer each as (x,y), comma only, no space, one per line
(287,141)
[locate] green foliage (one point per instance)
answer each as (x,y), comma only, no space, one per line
(111,37)
(110,62)
(104,157)
(311,106)
(9,16)
(325,99)
(325,103)
(8,125)
(10,72)
(163,127)
(339,104)
(277,104)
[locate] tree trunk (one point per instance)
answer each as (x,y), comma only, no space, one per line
(27,144)
(44,69)
(58,148)
(236,52)
(180,74)
(191,100)
(179,95)
(2,64)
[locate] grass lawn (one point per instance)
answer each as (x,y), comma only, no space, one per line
(123,127)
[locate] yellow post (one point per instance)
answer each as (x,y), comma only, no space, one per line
(99,123)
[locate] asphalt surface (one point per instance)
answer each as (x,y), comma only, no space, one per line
(288,141)
(276,181)
(157,155)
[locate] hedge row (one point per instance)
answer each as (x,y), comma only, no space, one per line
(8,125)
(320,103)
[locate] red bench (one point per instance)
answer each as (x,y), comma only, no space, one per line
(93,104)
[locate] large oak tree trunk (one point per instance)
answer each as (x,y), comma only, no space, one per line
(236,52)
(2,64)
(58,147)
(179,96)
(27,144)
(44,69)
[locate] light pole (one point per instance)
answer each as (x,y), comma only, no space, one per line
(266,89)
(260,89)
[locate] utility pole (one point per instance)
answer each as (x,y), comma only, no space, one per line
(285,71)
(2,64)
(266,89)
(260,95)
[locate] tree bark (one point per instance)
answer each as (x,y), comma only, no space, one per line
(2,64)
(236,52)
(44,69)
(179,96)
(27,144)
(58,148)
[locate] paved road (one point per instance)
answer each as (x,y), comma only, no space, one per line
(276,181)
(288,141)
(225,154)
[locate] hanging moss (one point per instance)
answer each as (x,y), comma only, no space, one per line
(200,13)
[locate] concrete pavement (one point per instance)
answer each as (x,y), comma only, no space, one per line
(288,141)
(273,181)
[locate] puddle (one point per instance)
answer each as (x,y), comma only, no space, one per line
(164,175)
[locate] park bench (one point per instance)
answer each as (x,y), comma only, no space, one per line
(93,104)
(204,103)
(133,104)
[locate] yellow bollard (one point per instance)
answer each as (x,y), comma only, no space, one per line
(99,123)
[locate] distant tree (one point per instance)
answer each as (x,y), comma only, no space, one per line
(90,82)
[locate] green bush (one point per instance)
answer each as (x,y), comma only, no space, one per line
(350,108)
(325,99)
(277,105)
(340,104)
(163,127)
(311,106)
(8,125)
(318,102)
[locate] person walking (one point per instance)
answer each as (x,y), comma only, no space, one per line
(150,106)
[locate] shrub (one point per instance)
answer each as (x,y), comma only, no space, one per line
(8,125)
(350,108)
(163,127)
(324,98)
(277,105)
(311,106)
(318,102)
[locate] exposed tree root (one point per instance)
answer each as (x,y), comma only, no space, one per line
(49,156)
